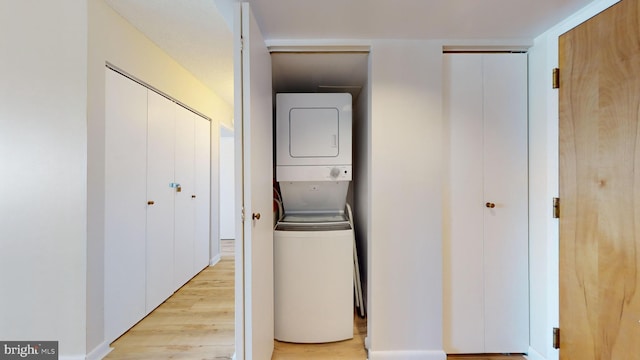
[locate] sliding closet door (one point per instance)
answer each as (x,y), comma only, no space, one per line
(160,199)
(125,203)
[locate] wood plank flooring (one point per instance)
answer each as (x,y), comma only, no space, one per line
(197,322)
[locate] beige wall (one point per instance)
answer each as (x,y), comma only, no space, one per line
(43,172)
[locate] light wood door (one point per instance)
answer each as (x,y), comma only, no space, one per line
(160,199)
(184,215)
(599,186)
(254,157)
(125,203)
(486,308)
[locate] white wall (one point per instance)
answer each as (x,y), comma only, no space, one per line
(43,165)
(543,183)
(405,279)
(227,186)
(113,39)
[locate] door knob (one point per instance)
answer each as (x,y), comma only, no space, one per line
(490,205)
(150,202)
(255,216)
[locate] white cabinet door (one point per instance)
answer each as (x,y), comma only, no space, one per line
(184,215)
(506,241)
(486,253)
(125,203)
(464,279)
(202,193)
(254,156)
(160,169)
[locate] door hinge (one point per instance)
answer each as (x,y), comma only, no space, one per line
(555,82)
(242,214)
(556,208)
(556,338)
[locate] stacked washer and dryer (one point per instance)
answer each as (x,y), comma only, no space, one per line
(314,237)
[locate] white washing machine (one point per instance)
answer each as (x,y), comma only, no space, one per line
(313,241)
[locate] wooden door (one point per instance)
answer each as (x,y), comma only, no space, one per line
(254,160)
(160,197)
(486,308)
(600,187)
(125,203)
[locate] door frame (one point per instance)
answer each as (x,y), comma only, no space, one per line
(544,110)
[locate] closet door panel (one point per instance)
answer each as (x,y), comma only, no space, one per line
(464,281)
(184,204)
(160,174)
(125,203)
(505,185)
(486,300)
(202,192)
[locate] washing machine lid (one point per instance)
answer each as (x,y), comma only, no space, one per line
(300,218)
(314,197)
(314,222)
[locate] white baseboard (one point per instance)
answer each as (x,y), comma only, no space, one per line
(408,355)
(215,260)
(99,352)
(534,355)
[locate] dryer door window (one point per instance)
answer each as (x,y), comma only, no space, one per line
(314,132)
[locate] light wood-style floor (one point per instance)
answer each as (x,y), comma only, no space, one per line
(197,322)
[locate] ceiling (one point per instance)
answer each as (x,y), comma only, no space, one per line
(197,33)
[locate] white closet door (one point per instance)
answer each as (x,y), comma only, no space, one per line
(464,281)
(184,204)
(506,226)
(160,173)
(125,203)
(202,193)
(486,300)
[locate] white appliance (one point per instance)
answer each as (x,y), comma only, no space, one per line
(313,240)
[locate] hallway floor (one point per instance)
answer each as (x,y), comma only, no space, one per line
(197,323)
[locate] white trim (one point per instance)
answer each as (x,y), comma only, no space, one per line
(408,355)
(233,357)
(534,355)
(486,44)
(581,16)
(99,352)
(318,45)
(215,260)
